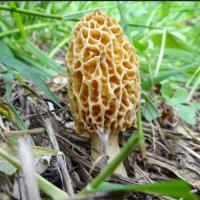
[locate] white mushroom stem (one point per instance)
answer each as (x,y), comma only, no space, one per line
(110,147)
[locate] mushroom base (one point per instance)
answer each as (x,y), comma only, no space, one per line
(105,151)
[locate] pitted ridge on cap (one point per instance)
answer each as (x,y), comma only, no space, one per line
(103,75)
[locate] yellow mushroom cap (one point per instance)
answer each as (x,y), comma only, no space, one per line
(103,76)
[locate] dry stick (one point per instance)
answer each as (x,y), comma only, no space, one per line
(163,138)
(28,170)
(190,133)
(143,174)
(192,152)
(24,132)
(43,113)
(2,126)
(154,139)
(74,146)
(172,134)
(60,157)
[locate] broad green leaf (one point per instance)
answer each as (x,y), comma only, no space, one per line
(196,105)
(176,189)
(138,45)
(174,96)
(187,113)
(149,111)
(173,40)
(179,97)
(167,90)
(4,49)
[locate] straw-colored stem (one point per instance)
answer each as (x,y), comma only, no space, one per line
(108,170)
(111,149)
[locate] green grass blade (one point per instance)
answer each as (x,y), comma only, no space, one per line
(52,16)
(160,57)
(58,46)
(123,21)
(81,13)
(17,119)
(4,111)
(12,63)
(194,88)
(35,65)
(145,26)
(17,30)
(8,77)
(176,189)
(18,20)
(43,57)
(28,73)
(193,76)
(30,12)
(165,75)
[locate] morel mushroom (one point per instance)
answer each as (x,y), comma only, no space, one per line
(103,81)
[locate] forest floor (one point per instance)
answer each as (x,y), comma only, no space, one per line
(172,147)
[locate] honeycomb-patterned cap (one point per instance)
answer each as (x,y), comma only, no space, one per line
(103,76)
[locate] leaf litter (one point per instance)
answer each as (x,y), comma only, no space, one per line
(175,153)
